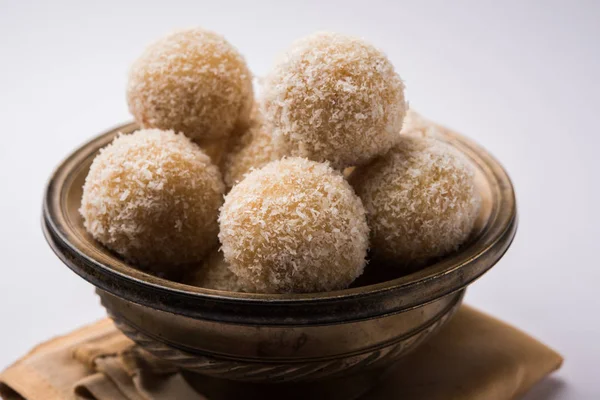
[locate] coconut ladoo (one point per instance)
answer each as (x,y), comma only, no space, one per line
(335,98)
(191,81)
(294,226)
(420,198)
(153,197)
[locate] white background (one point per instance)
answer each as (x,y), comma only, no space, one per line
(520,77)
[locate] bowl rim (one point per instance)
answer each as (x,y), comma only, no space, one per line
(449,274)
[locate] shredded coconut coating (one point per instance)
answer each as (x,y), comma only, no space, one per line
(420,198)
(417,125)
(214,273)
(192,81)
(294,226)
(252,149)
(153,197)
(334,98)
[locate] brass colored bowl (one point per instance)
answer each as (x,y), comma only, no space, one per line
(267,337)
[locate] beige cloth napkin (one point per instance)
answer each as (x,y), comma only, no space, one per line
(474,356)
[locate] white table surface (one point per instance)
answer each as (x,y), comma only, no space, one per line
(520,77)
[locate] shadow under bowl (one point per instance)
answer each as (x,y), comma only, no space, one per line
(276,337)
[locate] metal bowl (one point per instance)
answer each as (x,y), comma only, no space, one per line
(266,337)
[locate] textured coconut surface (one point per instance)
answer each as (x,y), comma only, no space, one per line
(252,149)
(192,81)
(214,273)
(294,226)
(153,197)
(334,98)
(420,198)
(417,125)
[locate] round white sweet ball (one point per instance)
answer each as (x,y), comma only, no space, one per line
(420,198)
(294,226)
(192,81)
(153,197)
(334,98)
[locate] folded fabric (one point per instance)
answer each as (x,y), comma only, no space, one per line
(474,356)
